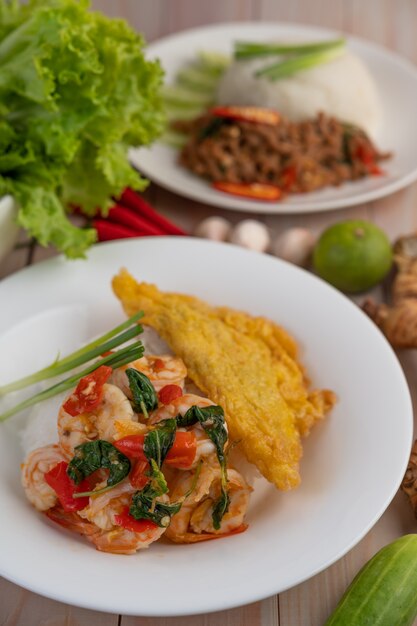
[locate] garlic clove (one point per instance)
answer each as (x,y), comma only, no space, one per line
(294,245)
(215,228)
(251,234)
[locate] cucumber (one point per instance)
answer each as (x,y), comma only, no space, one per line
(184,98)
(197,79)
(384,592)
(214,62)
(173,139)
(174,113)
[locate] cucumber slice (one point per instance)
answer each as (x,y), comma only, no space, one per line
(215,62)
(185,98)
(175,113)
(173,139)
(196,78)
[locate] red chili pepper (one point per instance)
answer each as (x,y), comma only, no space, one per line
(257,191)
(64,487)
(158,365)
(366,155)
(288,176)
(125,520)
(138,477)
(132,200)
(127,217)
(89,392)
(248,114)
(169,393)
(107,231)
(181,454)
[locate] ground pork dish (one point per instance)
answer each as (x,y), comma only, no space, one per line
(297,157)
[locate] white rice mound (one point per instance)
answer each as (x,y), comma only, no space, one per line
(343,88)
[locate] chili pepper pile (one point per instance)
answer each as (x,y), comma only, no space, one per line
(132,216)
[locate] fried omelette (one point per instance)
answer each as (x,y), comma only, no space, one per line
(245,364)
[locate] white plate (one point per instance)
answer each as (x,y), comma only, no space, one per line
(345,487)
(396,80)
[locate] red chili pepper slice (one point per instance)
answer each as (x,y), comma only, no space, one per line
(64,487)
(169,393)
(289,176)
(248,114)
(181,454)
(366,155)
(138,478)
(125,520)
(158,365)
(257,191)
(89,392)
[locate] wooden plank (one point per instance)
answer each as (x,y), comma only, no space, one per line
(249,615)
(19,607)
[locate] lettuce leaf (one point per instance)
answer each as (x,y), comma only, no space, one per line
(75,93)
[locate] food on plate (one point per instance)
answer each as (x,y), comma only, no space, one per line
(248,365)
(138,457)
(294,245)
(340,87)
(265,161)
(384,590)
(76,93)
(398,321)
(353,255)
(280,118)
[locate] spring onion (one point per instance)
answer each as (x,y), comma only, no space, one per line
(250,50)
(130,353)
(106,342)
(295,64)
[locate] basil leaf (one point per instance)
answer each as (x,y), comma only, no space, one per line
(144,504)
(142,508)
(211,129)
(143,392)
(212,421)
(220,508)
(159,441)
(94,455)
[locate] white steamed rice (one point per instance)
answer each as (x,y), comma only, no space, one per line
(342,87)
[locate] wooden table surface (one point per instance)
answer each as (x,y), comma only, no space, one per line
(387,22)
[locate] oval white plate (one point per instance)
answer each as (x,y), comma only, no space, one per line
(291,536)
(396,80)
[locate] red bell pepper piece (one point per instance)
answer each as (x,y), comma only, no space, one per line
(64,487)
(125,520)
(89,392)
(169,393)
(248,114)
(180,455)
(255,191)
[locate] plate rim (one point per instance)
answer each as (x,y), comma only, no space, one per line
(62,597)
(226,202)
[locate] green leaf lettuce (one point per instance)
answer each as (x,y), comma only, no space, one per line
(75,92)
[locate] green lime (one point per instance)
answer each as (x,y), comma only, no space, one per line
(353,255)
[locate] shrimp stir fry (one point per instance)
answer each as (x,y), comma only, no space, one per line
(137,458)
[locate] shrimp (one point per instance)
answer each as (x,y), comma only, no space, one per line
(161,371)
(112,538)
(98,424)
(179,406)
(102,508)
(194,522)
(38,462)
